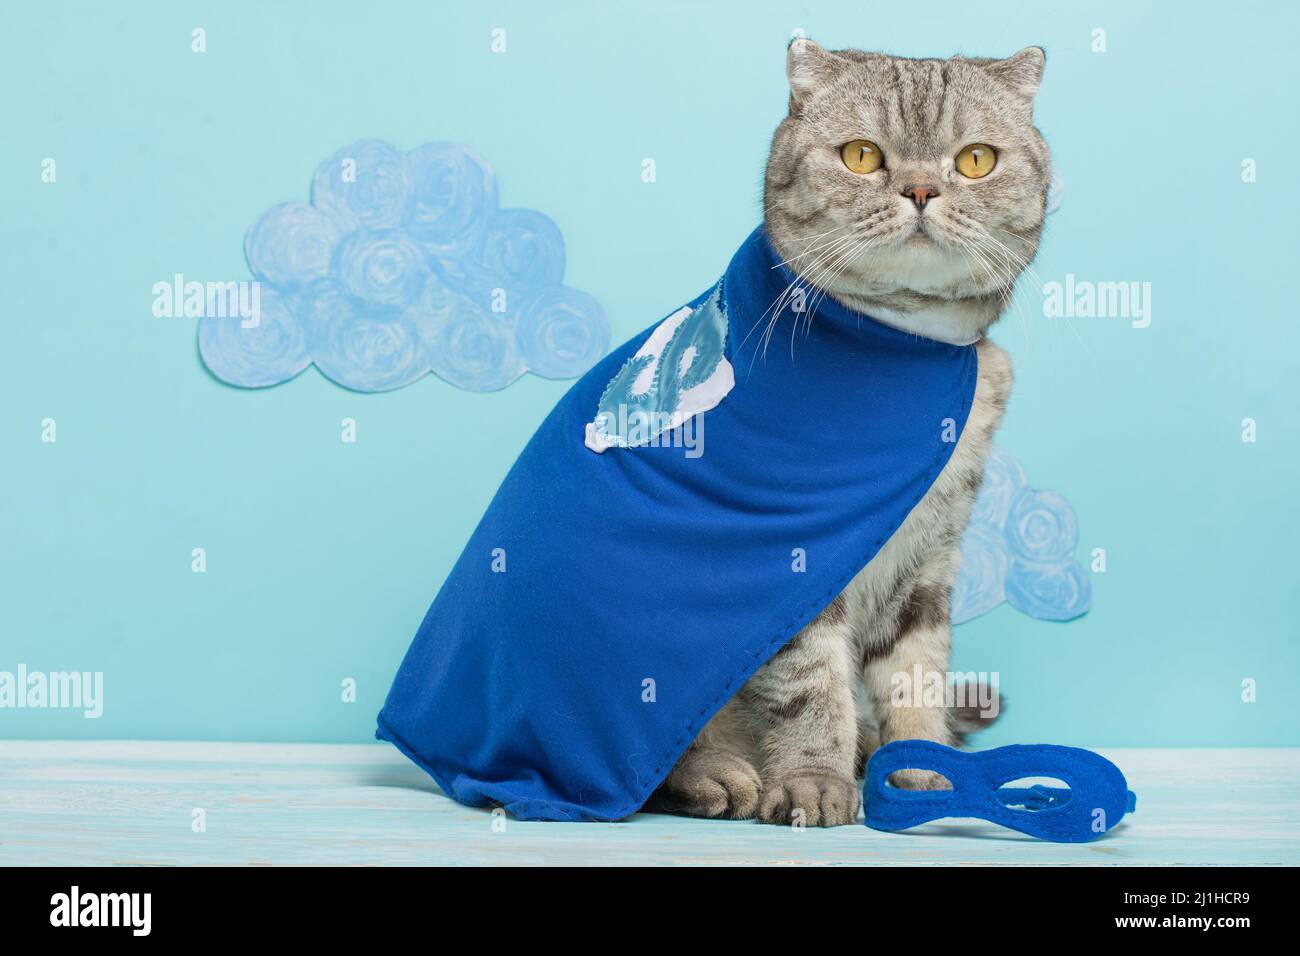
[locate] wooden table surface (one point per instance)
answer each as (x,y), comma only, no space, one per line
(134,803)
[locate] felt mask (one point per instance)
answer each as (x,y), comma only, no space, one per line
(1094,802)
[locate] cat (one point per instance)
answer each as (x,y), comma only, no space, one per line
(914,191)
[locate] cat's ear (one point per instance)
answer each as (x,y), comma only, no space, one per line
(1023,72)
(809,68)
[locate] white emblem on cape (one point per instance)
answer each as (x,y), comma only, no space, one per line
(679,372)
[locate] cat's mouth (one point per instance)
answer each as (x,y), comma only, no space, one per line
(925,232)
(919,234)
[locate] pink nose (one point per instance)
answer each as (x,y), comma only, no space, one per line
(920,194)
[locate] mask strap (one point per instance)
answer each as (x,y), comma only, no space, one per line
(1039,797)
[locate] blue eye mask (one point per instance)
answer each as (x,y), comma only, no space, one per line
(1096,800)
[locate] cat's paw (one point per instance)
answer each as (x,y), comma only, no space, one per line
(918,780)
(713,785)
(815,799)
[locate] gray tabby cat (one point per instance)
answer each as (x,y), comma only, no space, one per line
(913,191)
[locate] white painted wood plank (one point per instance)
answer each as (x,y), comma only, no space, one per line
(364,804)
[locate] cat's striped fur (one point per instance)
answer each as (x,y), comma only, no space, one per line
(789,745)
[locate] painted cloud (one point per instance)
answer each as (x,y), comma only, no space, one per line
(402,264)
(1019,548)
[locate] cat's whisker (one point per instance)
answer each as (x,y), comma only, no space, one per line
(812,241)
(814,250)
(825,279)
(778,306)
(981,264)
(815,276)
(828,280)
(869,244)
(815,235)
(1007,292)
(1028,270)
(821,282)
(1046,257)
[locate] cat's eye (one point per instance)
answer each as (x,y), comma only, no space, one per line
(862,156)
(976,160)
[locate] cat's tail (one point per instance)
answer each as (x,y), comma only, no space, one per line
(978,705)
(976,709)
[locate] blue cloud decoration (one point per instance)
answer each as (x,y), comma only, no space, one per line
(1019,548)
(404,264)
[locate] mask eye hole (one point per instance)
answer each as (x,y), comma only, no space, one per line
(976,160)
(1035,793)
(862,156)
(918,779)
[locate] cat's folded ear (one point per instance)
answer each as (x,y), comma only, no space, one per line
(809,68)
(1023,72)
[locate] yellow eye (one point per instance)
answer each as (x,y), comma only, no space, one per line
(862,156)
(976,160)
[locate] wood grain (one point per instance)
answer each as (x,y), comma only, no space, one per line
(131,803)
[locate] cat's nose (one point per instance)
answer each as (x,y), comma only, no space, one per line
(920,193)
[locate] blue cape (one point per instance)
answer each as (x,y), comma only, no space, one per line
(621,587)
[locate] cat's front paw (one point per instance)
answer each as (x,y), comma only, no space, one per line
(711,784)
(815,799)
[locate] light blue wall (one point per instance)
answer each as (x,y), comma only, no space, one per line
(322,556)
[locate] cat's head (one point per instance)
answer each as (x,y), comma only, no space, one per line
(908,182)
